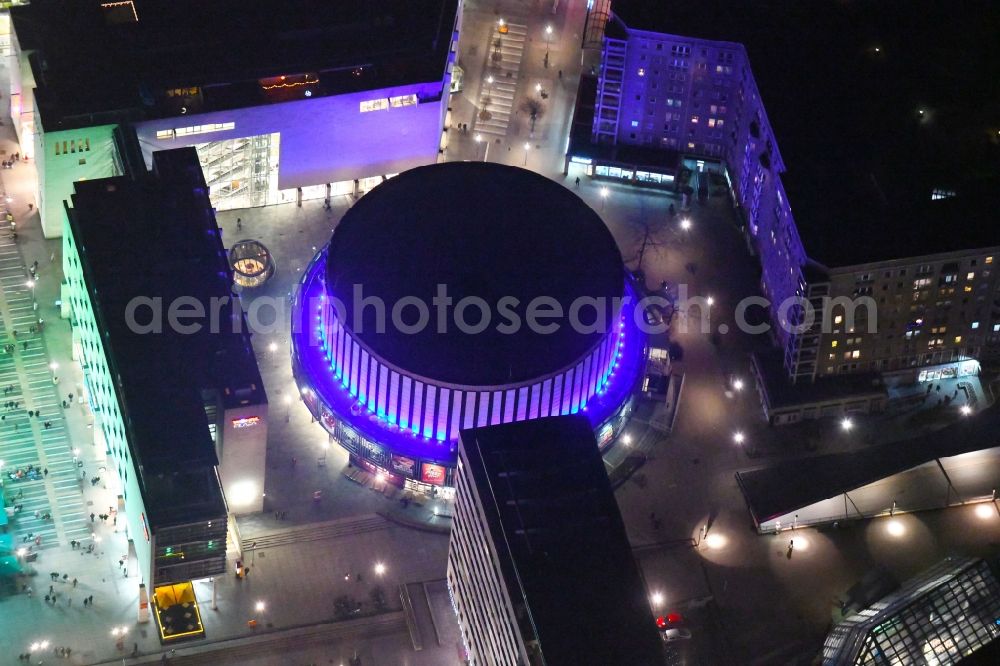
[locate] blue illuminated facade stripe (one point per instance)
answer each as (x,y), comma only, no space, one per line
(343,382)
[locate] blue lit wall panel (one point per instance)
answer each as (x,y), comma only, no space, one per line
(415,403)
(325,139)
(363,375)
(536,395)
(404,403)
(496,405)
(522,403)
(483,418)
(430,402)
(393,396)
(381,403)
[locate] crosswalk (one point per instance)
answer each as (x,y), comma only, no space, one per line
(498,93)
(33,427)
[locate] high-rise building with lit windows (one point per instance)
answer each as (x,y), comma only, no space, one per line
(284,100)
(894,187)
(540,570)
(178,402)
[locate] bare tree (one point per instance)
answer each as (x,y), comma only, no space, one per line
(534,108)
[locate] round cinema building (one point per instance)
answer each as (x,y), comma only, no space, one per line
(461,295)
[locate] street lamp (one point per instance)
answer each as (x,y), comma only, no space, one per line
(604,197)
(259,606)
(527,147)
(738,437)
(379,569)
(489,89)
(30,284)
(119,634)
(548,36)
(288,407)
(710,301)
(846,424)
(626,439)
(738,384)
(965,409)
(686,224)
(657,599)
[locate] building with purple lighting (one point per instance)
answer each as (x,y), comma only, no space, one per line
(537,318)
(892,185)
(284,101)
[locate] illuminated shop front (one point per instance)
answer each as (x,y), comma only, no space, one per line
(399,416)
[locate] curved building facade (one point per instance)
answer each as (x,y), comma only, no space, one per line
(431,311)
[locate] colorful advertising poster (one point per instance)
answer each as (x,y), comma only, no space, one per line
(605,435)
(433,474)
(329,421)
(403,465)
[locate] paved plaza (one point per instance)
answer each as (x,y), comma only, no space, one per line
(748,598)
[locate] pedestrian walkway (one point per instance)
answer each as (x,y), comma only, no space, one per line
(498,91)
(33,429)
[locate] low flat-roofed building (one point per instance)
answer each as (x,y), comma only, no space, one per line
(957,464)
(178,399)
(539,567)
(284,99)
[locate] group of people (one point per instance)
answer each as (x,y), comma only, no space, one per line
(9,164)
(30,473)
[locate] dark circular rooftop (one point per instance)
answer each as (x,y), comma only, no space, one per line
(484,230)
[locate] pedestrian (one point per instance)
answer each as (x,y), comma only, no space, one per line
(51,589)
(46,471)
(74,582)
(86,601)
(46,598)
(91,598)
(91,517)
(24,346)
(239,224)
(69,601)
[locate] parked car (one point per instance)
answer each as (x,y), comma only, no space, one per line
(676,634)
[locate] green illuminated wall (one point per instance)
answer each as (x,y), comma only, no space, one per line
(62,158)
(103,397)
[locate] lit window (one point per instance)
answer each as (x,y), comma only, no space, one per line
(968,288)
(403,100)
(996,328)
(958,338)
(833,343)
(694,120)
(204,129)
(970,276)
(838,319)
(989,260)
(856,353)
(380,104)
(635,123)
(642,71)
(975,325)
(163,135)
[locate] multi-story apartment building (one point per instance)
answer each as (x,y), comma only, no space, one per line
(539,566)
(142,255)
(892,204)
(284,100)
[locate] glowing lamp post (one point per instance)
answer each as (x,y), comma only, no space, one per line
(548,38)
(604,197)
(527,147)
